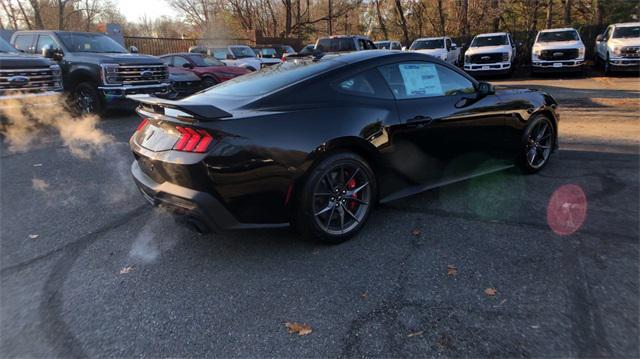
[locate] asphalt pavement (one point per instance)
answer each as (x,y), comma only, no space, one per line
(487,267)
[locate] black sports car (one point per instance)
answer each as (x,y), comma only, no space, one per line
(318,142)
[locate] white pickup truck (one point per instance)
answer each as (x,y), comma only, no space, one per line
(490,54)
(557,50)
(618,48)
(238,55)
(441,47)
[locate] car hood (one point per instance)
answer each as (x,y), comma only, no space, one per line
(22,61)
(558,45)
(270,61)
(432,52)
(631,41)
(122,59)
(488,49)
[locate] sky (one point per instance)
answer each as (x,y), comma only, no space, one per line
(134,9)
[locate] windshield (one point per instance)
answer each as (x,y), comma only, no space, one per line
(6,47)
(271,78)
(553,36)
(383,44)
(242,52)
(269,53)
(489,41)
(336,44)
(626,32)
(85,42)
(205,61)
(427,44)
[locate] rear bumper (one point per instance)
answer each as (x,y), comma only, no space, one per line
(195,206)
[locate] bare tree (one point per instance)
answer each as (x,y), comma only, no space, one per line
(567,12)
(496,15)
(597,6)
(403,22)
(441,19)
(549,20)
(10,12)
(464,9)
(381,20)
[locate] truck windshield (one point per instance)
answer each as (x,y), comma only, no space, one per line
(6,47)
(383,45)
(86,42)
(339,44)
(552,36)
(242,52)
(427,44)
(626,32)
(481,41)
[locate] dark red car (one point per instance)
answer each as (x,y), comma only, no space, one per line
(211,70)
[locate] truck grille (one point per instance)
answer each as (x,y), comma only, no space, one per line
(486,58)
(142,74)
(630,51)
(558,54)
(28,80)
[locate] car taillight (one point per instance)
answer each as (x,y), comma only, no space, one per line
(192,140)
(142,124)
(284,58)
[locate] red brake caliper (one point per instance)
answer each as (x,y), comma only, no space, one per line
(351,185)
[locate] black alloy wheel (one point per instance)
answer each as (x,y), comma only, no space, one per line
(87,99)
(337,198)
(539,140)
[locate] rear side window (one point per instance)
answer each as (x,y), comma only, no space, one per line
(368,84)
(24,43)
(167,60)
(424,79)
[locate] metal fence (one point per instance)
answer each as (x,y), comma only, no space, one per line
(165,45)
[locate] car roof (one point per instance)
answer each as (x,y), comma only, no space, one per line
(183,54)
(61,32)
(492,34)
(627,24)
(559,29)
(431,38)
(357,56)
(344,37)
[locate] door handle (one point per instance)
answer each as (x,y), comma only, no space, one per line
(420,121)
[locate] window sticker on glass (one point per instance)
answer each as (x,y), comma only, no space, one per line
(421,80)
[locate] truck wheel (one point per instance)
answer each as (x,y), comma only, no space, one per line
(87,99)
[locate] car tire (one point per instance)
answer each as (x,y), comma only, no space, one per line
(208,82)
(336,198)
(87,100)
(537,144)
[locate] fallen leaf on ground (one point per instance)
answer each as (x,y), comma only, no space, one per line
(490,292)
(34,236)
(37,165)
(444,342)
(452,270)
(300,329)
(316,252)
(364,295)
(126,269)
(415,334)
(416,231)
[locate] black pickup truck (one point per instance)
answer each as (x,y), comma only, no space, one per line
(96,70)
(27,79)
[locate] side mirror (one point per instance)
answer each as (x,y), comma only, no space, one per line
(230,57)
(133,49)
(485,89)
(404,48)
(599,38)
(454,45)
(48,52)
(187,65)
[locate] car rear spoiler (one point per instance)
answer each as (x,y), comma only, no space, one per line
(159,105)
